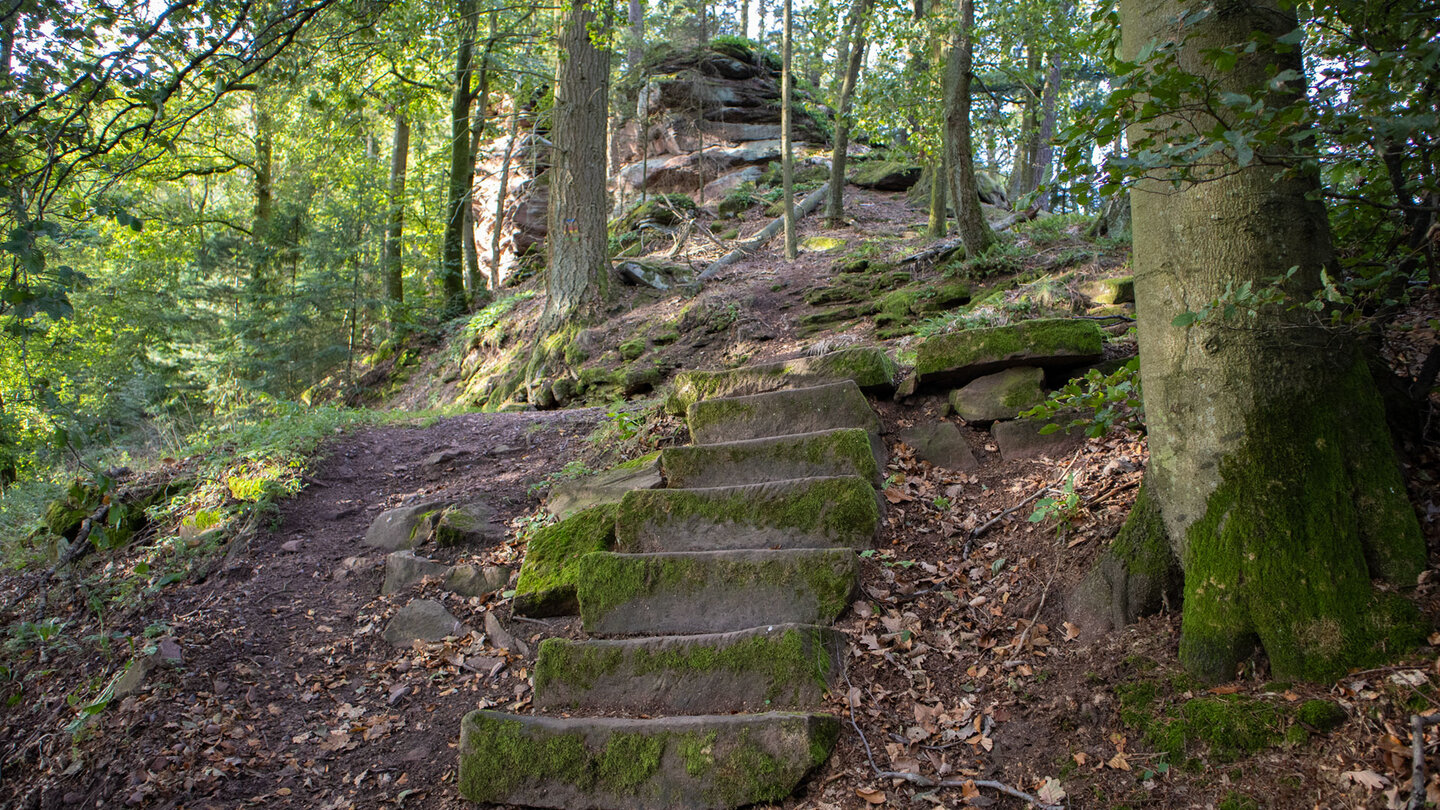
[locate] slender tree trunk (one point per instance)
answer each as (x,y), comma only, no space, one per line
(969,220)
(1270,460)
(855,36)
(462,167)
(1022,174)
(939,224)
(745,18)
(787,157)
(579,275)
(392,268)
(760,22)
(635,16)
(474,275)
(500,200)
(1044,149)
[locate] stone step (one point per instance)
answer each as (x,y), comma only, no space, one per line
(844,451)
(686,763)
(955,358)
(868,366)
(713,591)
(781,666)
(838,511)
(781,413)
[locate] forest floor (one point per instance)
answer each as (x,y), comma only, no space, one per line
(962,667)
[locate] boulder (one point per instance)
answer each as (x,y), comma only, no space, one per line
(707,762)
(958,357)
(1002,395)
(719,188)
(656,275)
(606,487)
(941,444)
(404,526)
(885,175)
(1119,290)
(1022,438)
(403,569)
(422,620)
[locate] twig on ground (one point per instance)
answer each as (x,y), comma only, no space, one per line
(925,781)
(1417,758)
(986,526)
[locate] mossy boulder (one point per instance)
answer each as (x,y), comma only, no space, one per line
(1321,715)
(885,175)
(607,487)
(551,567)
(713,591)
(1119,290)
(788,666)
(821,244)
(846,451)
(803,513)
(868,366)
(942,297)
(1002,395)
(659,210)
(467,524)
(403,527)
(848,312)
(632,349)
(777,413)
(708,762)
(959,357)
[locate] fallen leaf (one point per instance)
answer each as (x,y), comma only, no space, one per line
(1119,762)
(1071,631)
(871,795)
(1227,689)
(1079,757)
(1366,778)
(1051,792)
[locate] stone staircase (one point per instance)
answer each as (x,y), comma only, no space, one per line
(710,620)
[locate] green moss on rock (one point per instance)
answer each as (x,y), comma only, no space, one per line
(846,451)
(974,352)
(548,573)
(868,366)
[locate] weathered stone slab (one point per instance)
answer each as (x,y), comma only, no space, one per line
(1022,439)
(867,366)
(403,569)
(422,620)
(677,763)
(941,444)
(713,591)
(547,576)
(781,413)
(606,487)
(846,451)
(958,357)
(476,580)
(804,513)
(403,526)
(781,666)
(1002,395)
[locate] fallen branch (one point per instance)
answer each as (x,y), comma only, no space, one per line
(985,527)
(940,250)
(925,781)
(1417,758)
(749,246)
(77,549)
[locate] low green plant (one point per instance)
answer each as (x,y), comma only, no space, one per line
(1097,402)
(1063,506)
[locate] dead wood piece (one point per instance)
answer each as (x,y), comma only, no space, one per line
(749,246)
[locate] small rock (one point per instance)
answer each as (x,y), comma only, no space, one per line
(290,546)
(467,524)
(422,620)
(168,651)
(500,638)
(475,580)
(403,527)
(442,457)
(132,680)
(1022,439)
(403,569)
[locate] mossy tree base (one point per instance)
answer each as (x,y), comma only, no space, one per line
(683,763)
(1136,576)
(788,666)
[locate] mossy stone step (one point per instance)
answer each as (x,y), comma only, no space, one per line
(844,451)
(713,591)
(958,357)
(868,366)
(781,413)
(680,763)
(781,666)
(840,511)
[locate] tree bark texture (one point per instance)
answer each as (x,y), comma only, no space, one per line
(392,267)
(1269,457)
(462,167)
(579,266)
(787,156)
(939,223)
(969,220)
(635,16)
(854,57)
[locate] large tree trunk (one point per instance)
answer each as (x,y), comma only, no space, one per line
(579,267)
(1269,457)
(969,220)
(462,168)
(787,156)
(854,57)
(392,268)
(635,16)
